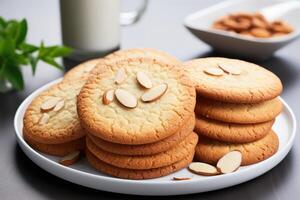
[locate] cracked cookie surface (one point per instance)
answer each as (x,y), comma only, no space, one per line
(229,132)
(175,154)
(253,84)
(149,121)
(238,113)
(210,151)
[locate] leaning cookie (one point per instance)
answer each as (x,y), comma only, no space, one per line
(137,174)
(173,155)
(51,118)
(230,132)
(231,80)
(238,113)
(115,105)
(210,151)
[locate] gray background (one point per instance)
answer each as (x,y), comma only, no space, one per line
(161,28)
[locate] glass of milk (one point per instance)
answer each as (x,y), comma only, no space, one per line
(92,27)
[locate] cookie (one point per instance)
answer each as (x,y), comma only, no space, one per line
(146,149)
(178,152)
(134,118)
(210,151)
(51,118)
(231,80)
(61,149)
(143,52)
(82,70)
(238,113)
(137,174)
(233,133)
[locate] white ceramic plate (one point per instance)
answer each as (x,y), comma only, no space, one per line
(81,173)
(200,22)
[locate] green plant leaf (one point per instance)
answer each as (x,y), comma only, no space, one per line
(28,48)
(52,62)
(21,32)
(60,51)
(14,75)
(33,63)
(12,29)
(7,47)
(2,25)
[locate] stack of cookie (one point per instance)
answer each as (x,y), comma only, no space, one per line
(236,107)
(138,113)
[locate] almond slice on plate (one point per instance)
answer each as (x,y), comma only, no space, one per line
(108,97)
(50,103)
(181,178)
(70,159)
(144,80)
(203,169)
(154,93)
(214,71)
(230,69)
(230,162)
(120,76)
(59,105)
(125,98)
(44,119)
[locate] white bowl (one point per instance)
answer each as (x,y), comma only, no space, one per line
(200,22)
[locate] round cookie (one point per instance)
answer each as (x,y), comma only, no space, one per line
(137,174)
(233,133)
(53,126)
(166,158)
(143,52)
(82,70)
(210,151)
(149,121)
(56,149)
(245,83)
(146,149)
(238,113)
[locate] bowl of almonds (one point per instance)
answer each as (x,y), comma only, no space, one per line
(245,28)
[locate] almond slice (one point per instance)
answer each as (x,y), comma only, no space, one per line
(59,105)
(203,169)
(144,80)
(214,71)
(50,103)
(70,159)
(108,97)
(44,119)
(230,69)
(181,178)
(120,76)
(230,162)
(125,98)
(154,93)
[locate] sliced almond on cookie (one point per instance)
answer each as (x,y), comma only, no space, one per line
(230,69)
(181,178)
(214,71)
(44,119)
(154,93)
(59,105)
(125,98)
(70,159)
(108,97)
(50,103)
(230,162)
(203,169)
(144,80)
(120,76)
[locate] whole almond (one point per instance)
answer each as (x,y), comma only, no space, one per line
(120,76)
(59,105)
(50,103)
(44,119)
(230,162)
(154,93)
(125,98)
(214,71)
(230,69)
(203,169)
(108,97)
(144,80)
(70,159)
